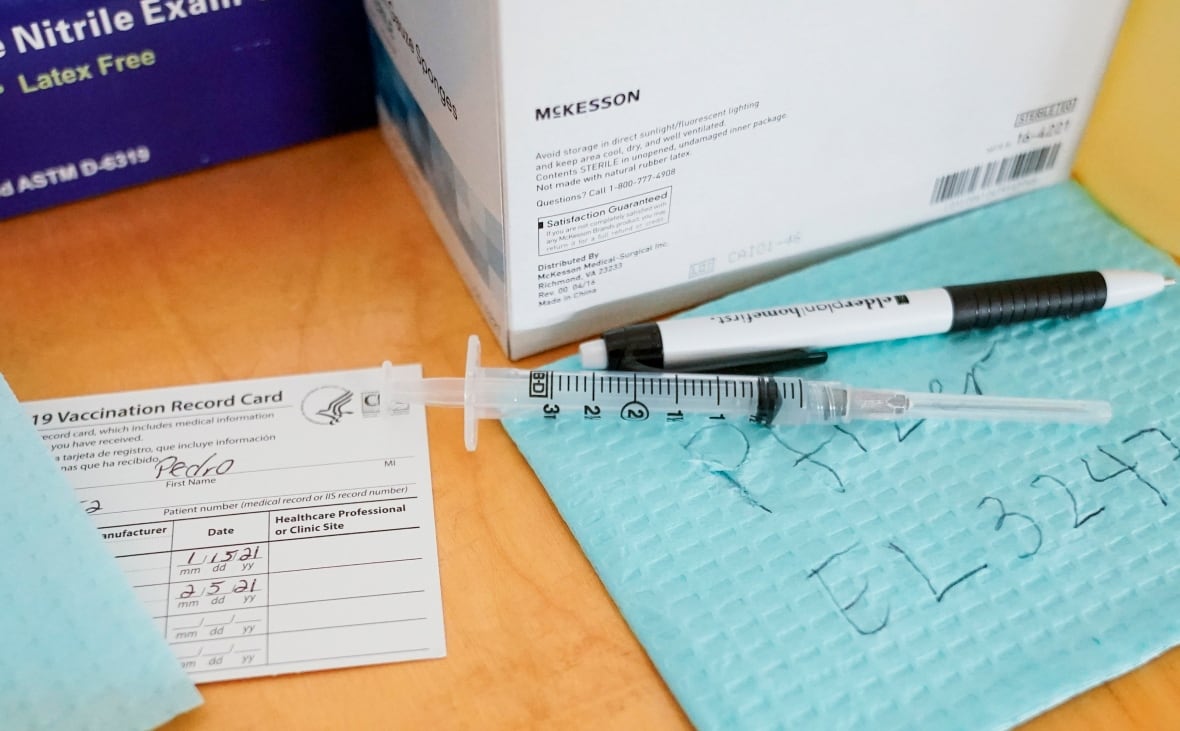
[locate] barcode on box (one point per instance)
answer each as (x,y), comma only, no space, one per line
(996,172)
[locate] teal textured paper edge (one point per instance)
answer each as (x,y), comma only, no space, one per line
(79,650)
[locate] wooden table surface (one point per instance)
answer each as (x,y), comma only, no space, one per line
(320,258)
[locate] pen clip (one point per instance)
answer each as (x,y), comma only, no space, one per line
(750,363)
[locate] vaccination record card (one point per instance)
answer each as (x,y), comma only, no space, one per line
(270,526)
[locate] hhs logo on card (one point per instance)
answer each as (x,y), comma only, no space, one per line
(327,405)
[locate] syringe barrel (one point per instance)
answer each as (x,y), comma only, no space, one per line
(501,392)
(636,396)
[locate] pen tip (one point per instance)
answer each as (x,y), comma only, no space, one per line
(1168,281)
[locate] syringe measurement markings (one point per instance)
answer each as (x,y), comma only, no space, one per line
(718,387)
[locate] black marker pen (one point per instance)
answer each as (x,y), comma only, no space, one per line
(683,342)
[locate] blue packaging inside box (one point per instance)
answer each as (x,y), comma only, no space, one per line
(96,96)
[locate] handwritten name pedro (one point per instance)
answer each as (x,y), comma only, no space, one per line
(105,64)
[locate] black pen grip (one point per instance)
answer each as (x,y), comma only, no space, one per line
(1017,300)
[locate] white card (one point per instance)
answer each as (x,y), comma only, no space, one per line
(269,526)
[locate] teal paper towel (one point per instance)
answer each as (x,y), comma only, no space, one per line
(78,650)
(911,575)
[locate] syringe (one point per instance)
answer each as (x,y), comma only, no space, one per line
(494,393)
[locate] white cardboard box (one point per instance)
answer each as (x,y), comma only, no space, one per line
(591,164)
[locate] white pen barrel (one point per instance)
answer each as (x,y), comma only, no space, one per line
(814,325)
